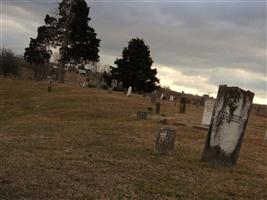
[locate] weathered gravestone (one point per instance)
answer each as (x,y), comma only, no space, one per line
(207,113)
(129,91)
(120,85)
(171,98)
(114,83)
(162,120)
(182,107)
(150,110)
(165,140)
(162,96)
(141,115)
(228,124)
(157,110)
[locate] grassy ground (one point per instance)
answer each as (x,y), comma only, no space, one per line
(78,143)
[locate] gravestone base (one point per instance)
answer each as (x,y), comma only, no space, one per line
(141,115)
(165,140)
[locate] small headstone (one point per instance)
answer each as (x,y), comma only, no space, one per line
(165,141)
(171,98)
(153,97)
(157,110)
(228,124)
(162,120)
(120,85)
(129,91)
(114,83)
(182,107)
(150,110)
(162,96)
(207,113)
(49,88)
(141,115)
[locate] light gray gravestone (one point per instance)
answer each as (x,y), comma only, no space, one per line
(114,83)
(165,140)
(129,91)
(207,113)
(120,85)
(228,125)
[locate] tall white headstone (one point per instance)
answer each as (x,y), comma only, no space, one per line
(171,98)
(207,113)
(129,91)
(162,96)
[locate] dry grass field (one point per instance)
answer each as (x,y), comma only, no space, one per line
(78,143)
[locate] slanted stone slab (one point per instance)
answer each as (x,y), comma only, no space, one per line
(165,140)
(129,93)
(207,113)
(228,124)
(141,115)
(182,107)
(157,110)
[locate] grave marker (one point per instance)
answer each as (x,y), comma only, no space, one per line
(165,141)
(228,124)
(207,113)
(120,85)
(141,115)
(182,107)
(157,110)
(129,91)
(114,83)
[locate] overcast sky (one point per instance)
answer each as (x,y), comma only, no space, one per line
(195,45)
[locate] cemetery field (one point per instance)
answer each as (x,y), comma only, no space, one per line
(79,143)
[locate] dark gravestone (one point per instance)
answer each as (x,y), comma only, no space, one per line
(49,88)
(157,110)
(120,85)
(228,124)
(141,115)
(182,107)
(165,141)
(150,110)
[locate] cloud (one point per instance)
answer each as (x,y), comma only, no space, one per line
(195,45)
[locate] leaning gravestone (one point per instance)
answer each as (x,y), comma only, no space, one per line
(114,83)
(129,91)
(141,115)
(207,113)
(165,140)
(157,110)
(228,124)
(182,105)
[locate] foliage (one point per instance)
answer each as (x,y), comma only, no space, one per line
(9,64)
(134,68)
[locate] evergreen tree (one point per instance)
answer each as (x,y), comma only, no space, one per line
(134,68)
(69,31)
(79,42)
(38,53)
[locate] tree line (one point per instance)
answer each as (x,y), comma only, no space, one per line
(68,29)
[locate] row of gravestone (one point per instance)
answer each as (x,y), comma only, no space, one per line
(227,120)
